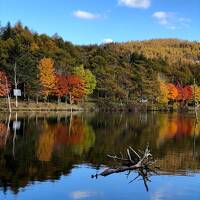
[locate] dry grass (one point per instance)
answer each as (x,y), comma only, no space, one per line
(41,106)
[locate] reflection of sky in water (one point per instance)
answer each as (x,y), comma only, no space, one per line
(82,194)
(79,185)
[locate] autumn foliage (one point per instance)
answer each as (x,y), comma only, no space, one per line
(178,93)
(47,76)
(187,92)
(61,87)
(72,86)
(172,91)
(5,85)
(184,93)
(76,88)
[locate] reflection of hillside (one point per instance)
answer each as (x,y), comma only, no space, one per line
(47,147)
(176,132)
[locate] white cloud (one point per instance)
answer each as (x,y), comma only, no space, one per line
(135,3)
(82,194)
(85,15)
(163,17)
(107,40)
(171,20)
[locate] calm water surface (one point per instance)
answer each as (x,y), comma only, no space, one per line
(52,156)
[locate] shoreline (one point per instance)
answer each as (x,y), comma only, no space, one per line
(41,106)
(24,106)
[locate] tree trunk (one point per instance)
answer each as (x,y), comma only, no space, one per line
(36,99)
(70,123)
(24,92)
(66,99)
(15,77)
(70,98)
(59,99)
(9,104)
(8,96)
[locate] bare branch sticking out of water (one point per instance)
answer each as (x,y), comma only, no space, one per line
(140,162)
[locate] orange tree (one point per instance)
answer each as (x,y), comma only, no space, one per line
(172,91)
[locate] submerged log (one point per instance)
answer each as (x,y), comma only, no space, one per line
(140,161)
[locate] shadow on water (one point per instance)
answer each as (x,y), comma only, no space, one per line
(40,147)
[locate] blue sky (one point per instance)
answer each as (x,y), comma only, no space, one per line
(97,21)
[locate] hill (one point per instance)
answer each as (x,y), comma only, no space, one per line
(124,71)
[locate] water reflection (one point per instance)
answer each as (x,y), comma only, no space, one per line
(40,147)
(177,127)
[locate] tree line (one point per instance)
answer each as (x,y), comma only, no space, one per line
(117,72)
(50,83)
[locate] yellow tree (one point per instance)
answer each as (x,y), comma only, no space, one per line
(47,76)
(164,92)
(196,92)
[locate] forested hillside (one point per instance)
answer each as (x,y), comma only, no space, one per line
(123,71)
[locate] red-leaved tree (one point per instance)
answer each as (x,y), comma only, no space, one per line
(5,85)
(187,93)
(76,88)
(180,96)
(184,93)
(61,86)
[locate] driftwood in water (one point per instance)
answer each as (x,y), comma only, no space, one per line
(142,162)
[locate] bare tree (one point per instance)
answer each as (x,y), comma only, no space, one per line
(8,95)
(16,84)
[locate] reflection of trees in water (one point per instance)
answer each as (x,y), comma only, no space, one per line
(45,143)
(4,131)
(176,126)
(169,135)
(47,147)
(43,140)
(79,136)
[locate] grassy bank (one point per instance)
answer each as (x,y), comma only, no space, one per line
(41,106)
(90,105)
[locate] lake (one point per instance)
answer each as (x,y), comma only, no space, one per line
(53,155)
